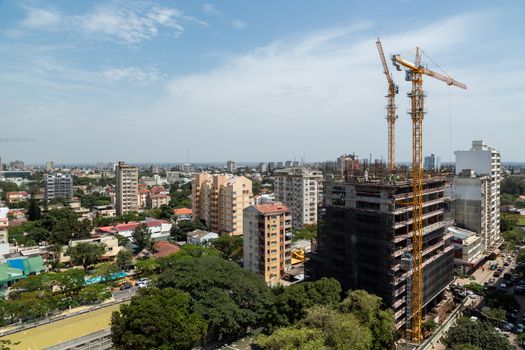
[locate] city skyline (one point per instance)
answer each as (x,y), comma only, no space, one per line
(148,81)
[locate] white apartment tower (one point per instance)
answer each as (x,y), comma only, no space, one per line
(231,166)
(58,186)
(478,178)
(301,190)
(127,188)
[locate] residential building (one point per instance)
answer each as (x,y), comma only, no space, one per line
(183,213)
(347,164)
(468,249)
(110,243)
(473,190)
(230,166)
(301,190)
(160,229)
(267,241)
(432,163)
(142,198)
(4,225)
(200,237)
(154,169)
(18,196)
(126,188)
(104,211)
(15,269)
(365,241)
(157,200)
(50,165)
(219,200)
(58,186)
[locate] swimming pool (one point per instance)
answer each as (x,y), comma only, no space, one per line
(98,279)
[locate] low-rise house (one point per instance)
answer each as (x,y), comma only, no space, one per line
(164,248)
(160,229)
(200,237)
(110,245)
(104,211)
(183,213)
(17,196)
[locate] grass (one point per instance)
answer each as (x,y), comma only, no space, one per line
(521,220)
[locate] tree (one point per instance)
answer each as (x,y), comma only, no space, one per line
(33,210)
(290,304)
(368,310)
(146,267)
(292,339)
(496,314)
(477,333)
(184,226)
(308,232)
(157,319)
(124,259)
(86,254)
(508,222)
(229,297)
(57,250)
(142,237)
(230,247)
(94,293)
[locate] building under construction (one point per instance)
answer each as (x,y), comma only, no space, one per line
(365,238)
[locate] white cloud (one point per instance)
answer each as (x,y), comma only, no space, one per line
(238,24)
(209,9)
(128,22)
(41,19)
(134,75)
(323,94)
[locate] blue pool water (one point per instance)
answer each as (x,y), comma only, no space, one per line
(98,279)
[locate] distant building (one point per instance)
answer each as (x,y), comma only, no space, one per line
(200,237)
(477,189)
(231,166)
(154,169)
(267,241)
(50,166)
(104,211)
(219,200)
(347,164)
(126,188)
(183,213)
(263,168)
(58,186)
(432,163)
(18,196)
(301,190)
(157,200)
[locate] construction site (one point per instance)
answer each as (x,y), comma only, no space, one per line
(383,228)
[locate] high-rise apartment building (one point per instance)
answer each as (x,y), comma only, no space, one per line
(432,163)
(301,190)
(58,186)
(50,165)
(477,206)
(365,241)
(127,188)
(267,241)
(231,166)
(219,200)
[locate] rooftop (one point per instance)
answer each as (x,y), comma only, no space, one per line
(165,248)
(271,208)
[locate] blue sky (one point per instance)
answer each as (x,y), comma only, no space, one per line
(252,81)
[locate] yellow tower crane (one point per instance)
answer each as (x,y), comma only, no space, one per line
(391,116)
(414,73)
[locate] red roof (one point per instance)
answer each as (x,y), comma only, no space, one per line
(165,248)
(182,211)
(272,208)
(143,191)
(159,196)
(130,226)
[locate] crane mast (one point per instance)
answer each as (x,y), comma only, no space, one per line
(391,116)
(415,72)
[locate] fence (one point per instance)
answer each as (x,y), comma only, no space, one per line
(100,340)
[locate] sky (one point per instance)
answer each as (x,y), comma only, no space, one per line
(170,81)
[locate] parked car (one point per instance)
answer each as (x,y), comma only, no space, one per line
(492,280)
(506,263)
(519,328)
(503,286)
(125,286)
(497,274)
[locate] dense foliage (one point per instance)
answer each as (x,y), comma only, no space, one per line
(476,333)
(230,247)
(86,254)
(158,319)
(180,231)
(142,237)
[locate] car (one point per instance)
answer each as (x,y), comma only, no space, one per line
(125,286)
(503,285)
(492,280)
(507,327)
(523,318)
(506,263)
(507,275)
(519,328)
(497,274)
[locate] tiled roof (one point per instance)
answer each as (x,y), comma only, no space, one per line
(183,211)
(271,208)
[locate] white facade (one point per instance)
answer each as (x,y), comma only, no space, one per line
(432,163)
(468,248)
(484,161)
(231,166)
(199,237)
(301,190)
